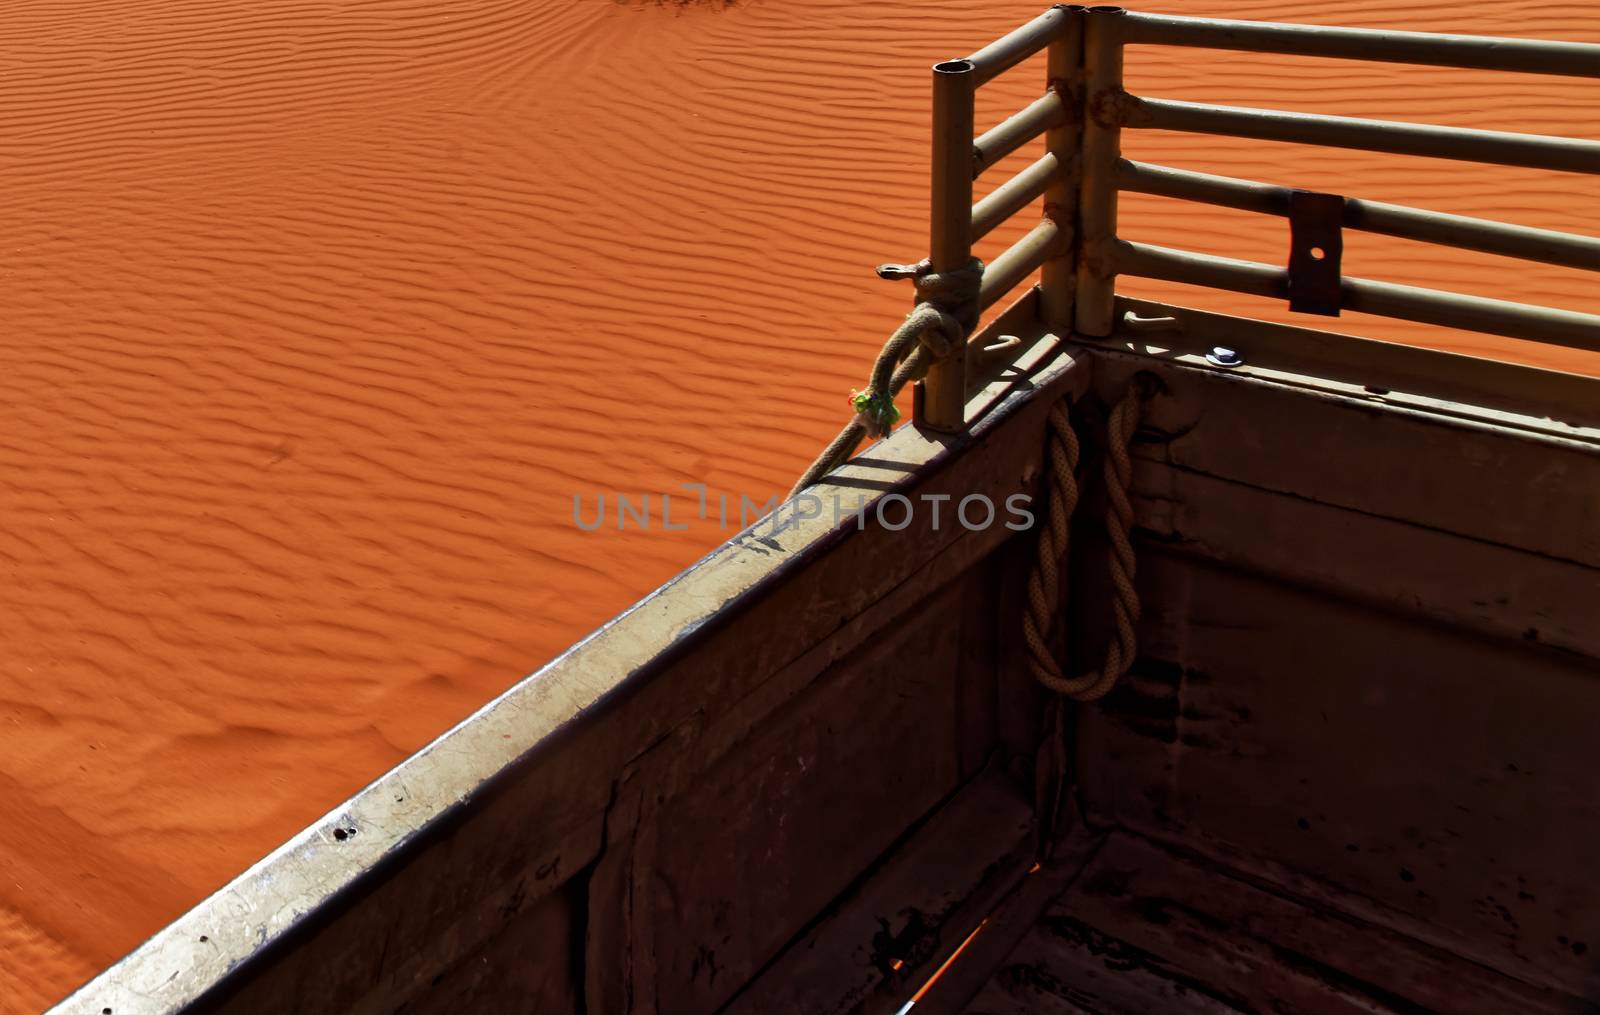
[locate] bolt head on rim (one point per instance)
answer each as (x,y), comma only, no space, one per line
(1222,356)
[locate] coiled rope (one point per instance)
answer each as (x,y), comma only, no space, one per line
(1044,580)
(946,313)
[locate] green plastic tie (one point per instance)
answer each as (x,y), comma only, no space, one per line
(878,407)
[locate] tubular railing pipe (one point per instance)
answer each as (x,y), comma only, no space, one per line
(1528,56)
(1473,313)
(1528,150)
(1058,277)
(1146,260)
(1460,231)
(1502,238)
(1017,193)
(1097,197)
(1020,260)
(1204,188)
(1035,118)
(1008,51)
(943,402)
(1408,303)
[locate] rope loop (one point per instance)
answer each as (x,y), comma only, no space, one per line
(955,293)
(1044,581)
(947,311)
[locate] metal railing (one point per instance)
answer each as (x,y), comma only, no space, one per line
(1085,109)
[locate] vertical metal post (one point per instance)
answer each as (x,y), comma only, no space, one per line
(942,405)
(1102,146)
(1058,276)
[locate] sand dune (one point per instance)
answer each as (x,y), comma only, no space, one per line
(317,315)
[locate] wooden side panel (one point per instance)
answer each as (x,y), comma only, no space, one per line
(787,820)
(882,941)
(1145,929)
(533,963)
(1449,779)
(1500,485)
(1396,763)
(1477,586)
(461,898)
(1369,666)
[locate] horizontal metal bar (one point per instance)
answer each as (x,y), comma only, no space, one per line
(1020,260)
(1531,56)
(1006,52)
(1015,194)
(1529,150)
(1408,303)
(1149,261)
(1460,231)
(1473,313)
(996,143)
(1502,238)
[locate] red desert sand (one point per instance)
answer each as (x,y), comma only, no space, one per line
(317,315)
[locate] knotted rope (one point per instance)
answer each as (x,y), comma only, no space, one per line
(1044,581)
(946,313)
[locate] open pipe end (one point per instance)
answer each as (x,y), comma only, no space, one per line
(1107,9)
(955,67)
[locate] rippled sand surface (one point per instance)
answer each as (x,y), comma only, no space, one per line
(316,315)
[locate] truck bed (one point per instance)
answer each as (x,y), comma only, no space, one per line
(1350,769)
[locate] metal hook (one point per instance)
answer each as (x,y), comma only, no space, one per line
(1000,350)
(1133,322)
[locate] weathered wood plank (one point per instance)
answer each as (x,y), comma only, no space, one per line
(1498,484)
(977,719)
(1022,702)
(1003,928)
(534,963)
(464,898)
(1145,929)
(893,930)
(1446,779)
(1483,587)
(786,821)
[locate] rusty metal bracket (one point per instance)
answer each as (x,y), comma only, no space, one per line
(1316,244)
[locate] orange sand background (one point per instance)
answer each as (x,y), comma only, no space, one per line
(317,314)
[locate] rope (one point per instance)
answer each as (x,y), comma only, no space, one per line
(946,313)
(1044,591)
(1044,581)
